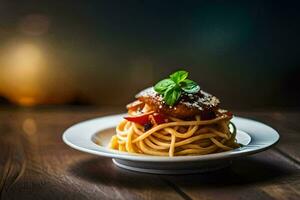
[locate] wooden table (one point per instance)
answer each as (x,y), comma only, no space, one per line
(36,164)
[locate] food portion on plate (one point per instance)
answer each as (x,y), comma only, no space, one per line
(175,118)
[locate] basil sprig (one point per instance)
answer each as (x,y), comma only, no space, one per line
(172,87)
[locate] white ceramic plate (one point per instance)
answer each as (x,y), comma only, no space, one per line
(92,136)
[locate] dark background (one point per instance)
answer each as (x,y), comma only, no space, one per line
(103,52)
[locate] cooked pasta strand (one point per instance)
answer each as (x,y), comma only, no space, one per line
(176,137)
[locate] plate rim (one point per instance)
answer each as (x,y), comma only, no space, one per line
(95,150)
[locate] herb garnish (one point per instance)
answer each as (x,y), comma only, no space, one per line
(172,87)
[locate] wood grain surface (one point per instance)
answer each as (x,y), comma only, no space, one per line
(36,164)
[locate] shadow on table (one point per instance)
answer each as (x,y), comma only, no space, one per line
(103,171)
(244,171)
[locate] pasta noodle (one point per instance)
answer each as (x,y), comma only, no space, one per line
(176,137)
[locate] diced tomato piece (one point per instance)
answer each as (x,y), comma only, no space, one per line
(140,119)
(159,118)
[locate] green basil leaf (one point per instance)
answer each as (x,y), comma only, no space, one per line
(163,85)
(179,76)
(190,86)
(171,95)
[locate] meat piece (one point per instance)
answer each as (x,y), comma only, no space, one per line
(189,105)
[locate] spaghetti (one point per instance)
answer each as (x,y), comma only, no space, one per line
(176,137)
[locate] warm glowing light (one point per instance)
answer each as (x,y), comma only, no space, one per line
(30,76)
(26,101)
(25,60)
(22,69)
